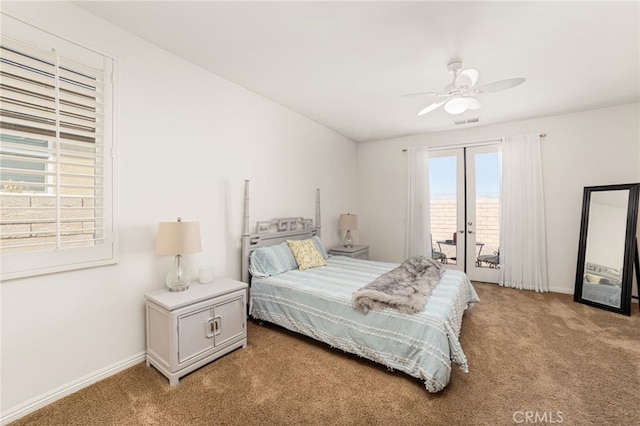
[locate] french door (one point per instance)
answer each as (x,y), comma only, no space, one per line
(464,185)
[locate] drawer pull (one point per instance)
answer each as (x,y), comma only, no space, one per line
(210,328)
(217,322)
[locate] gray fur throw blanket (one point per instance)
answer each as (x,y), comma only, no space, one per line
(405,288)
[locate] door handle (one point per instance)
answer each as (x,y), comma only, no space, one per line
(470,231)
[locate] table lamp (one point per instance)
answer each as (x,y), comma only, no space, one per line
(348,222)
(176,239)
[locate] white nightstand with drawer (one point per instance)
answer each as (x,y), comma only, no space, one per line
(357,251)
(188,329)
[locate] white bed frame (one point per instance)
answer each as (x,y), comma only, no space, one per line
(274,231)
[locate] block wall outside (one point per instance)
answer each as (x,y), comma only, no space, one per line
(17,229)
(487,227)
(29,218)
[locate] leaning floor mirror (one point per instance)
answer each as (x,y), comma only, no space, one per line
(608,247)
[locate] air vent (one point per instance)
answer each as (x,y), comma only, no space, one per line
(468,121)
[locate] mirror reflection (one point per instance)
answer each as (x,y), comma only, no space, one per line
(607,250)
(604,254)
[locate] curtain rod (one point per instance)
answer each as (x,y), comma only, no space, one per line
(542,135)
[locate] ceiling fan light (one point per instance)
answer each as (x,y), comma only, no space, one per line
(473,104)
(456,105)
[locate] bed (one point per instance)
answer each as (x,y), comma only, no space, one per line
(317,302)
(602,284)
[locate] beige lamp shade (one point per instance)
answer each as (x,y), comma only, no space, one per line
(348,222)
(178,238)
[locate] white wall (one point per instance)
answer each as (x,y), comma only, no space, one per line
(589,148)
(187,140)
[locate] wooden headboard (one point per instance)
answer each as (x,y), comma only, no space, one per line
(274,231)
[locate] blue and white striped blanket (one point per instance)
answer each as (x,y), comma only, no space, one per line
(318,303)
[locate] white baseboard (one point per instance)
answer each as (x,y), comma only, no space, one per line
(58,393)
(564,290)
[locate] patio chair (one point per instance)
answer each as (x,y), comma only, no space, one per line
(435,254)
(492,260)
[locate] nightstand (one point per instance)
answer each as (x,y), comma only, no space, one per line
(188,329)
(357,251)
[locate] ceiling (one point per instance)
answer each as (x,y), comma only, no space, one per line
(346,65)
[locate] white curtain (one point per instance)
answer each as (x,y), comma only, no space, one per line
(523,255)
(418,225)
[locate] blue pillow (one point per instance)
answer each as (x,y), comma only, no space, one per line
(319,246)
(273,260)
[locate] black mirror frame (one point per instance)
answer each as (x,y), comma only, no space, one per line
(630,249)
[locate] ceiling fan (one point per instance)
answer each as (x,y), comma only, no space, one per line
(460,95)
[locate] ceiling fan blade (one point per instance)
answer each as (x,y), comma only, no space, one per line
(500,85)
(425,93)
(431,107)
(467,78)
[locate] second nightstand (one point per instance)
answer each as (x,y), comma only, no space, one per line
(357,251)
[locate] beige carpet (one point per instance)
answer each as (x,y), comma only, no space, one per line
(533,358)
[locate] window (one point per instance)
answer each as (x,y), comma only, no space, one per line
(56,162)
(21,170)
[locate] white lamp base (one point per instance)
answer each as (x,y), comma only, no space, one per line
(348,241)
(178,277)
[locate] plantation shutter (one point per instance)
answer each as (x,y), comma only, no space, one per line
(55,156)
